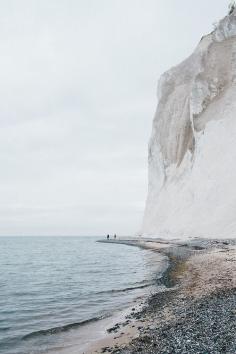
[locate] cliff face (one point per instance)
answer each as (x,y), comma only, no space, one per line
(192,150)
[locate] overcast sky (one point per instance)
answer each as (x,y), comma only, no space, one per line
(78,85)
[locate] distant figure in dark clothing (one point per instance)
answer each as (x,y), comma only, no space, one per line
(115,236)
(108,237)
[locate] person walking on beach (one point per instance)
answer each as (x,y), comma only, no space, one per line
(115,236)
(108,237)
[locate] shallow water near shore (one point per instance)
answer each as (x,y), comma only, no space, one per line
(52,287)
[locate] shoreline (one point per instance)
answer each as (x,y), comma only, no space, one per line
(201,274)
(91,335)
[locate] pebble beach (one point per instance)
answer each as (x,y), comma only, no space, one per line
(195,313)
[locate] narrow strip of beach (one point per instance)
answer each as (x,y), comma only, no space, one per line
(195,312)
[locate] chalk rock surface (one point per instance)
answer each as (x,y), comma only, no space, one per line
(192,150)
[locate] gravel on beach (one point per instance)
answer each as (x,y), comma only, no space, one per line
(184,319)
(203,326)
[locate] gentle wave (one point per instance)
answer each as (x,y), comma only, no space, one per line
(55,330)
(112,291)
(70,326)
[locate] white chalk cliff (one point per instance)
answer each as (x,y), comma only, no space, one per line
(192,150)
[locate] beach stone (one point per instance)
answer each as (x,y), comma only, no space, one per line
(207,325)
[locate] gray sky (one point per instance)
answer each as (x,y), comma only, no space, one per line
(78,93)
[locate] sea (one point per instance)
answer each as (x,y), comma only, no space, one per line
(51,287)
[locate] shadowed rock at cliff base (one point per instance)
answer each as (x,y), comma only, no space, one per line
(192,151)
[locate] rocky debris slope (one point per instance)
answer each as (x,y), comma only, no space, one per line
(192,150)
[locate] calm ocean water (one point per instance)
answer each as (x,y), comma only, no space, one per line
(52,285)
